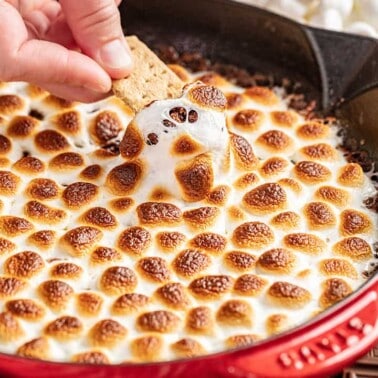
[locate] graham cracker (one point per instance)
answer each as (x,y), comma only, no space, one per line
(150,79)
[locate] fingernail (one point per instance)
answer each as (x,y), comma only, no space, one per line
(114,55)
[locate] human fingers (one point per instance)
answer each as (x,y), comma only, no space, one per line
(96,27)
(39,61)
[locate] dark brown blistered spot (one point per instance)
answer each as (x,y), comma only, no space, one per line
(42,239)
(192,116)
(89,304)
(51,141)
(134,240)
(24,264)
(122,204)
(129,303)
(235,312)
(36,348)
(10,328)
(147,348)
(107,333)
(101,217)
(69,122)
(79,240)
(42,189)
(195,178)
(9,183)
(170,241)
(185,145)
(154,269)
(334,290)
(284,118)
(5,145)
(219,195)
(211,287)
(248,120)
(6,246)
(103,255)
(190,262)
(239,341)
(39,212)
(252,235)
(353,222)
(234,100)
(337,267)
(202,217)
(210,241)
(208,97)
(276,260)
(186,348)
(262,95)
(10,286)
(249,285)
(311,172)
(55,293)
(91,358)
(123,179)
(79,194)
(29,165)
(152,139)
(289,294)
(319,215)
(67,161)
(158,321)
(158,213)
(335,196)
(92,172)
(320,151)
(273,166)
(132,142)
(25,309)
(21,126)
(353,247)
(173,295)
(239,261)
(10,104)
(199,320)
(13,226)
(63,328)
(106,126)
(275,140)
(178,114)
(66,271)
(118,280)
(305,243)
(313,130)
(266,198)
(245,159)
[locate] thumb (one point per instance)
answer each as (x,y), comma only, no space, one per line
(96,27)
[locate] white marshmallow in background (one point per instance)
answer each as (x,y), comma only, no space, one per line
(368,10)
(328,19)
(353,16)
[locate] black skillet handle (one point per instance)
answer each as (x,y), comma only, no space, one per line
(348,64)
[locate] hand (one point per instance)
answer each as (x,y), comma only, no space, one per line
(71,48)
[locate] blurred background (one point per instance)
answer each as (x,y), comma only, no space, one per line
(351,16)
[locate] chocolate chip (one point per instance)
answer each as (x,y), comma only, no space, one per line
(36,114)
(193,116)
(152,139)
(168,123)
(112,147)
(178,114)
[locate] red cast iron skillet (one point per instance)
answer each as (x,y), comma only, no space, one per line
(330,66)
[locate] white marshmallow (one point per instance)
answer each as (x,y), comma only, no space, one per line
(328,19)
